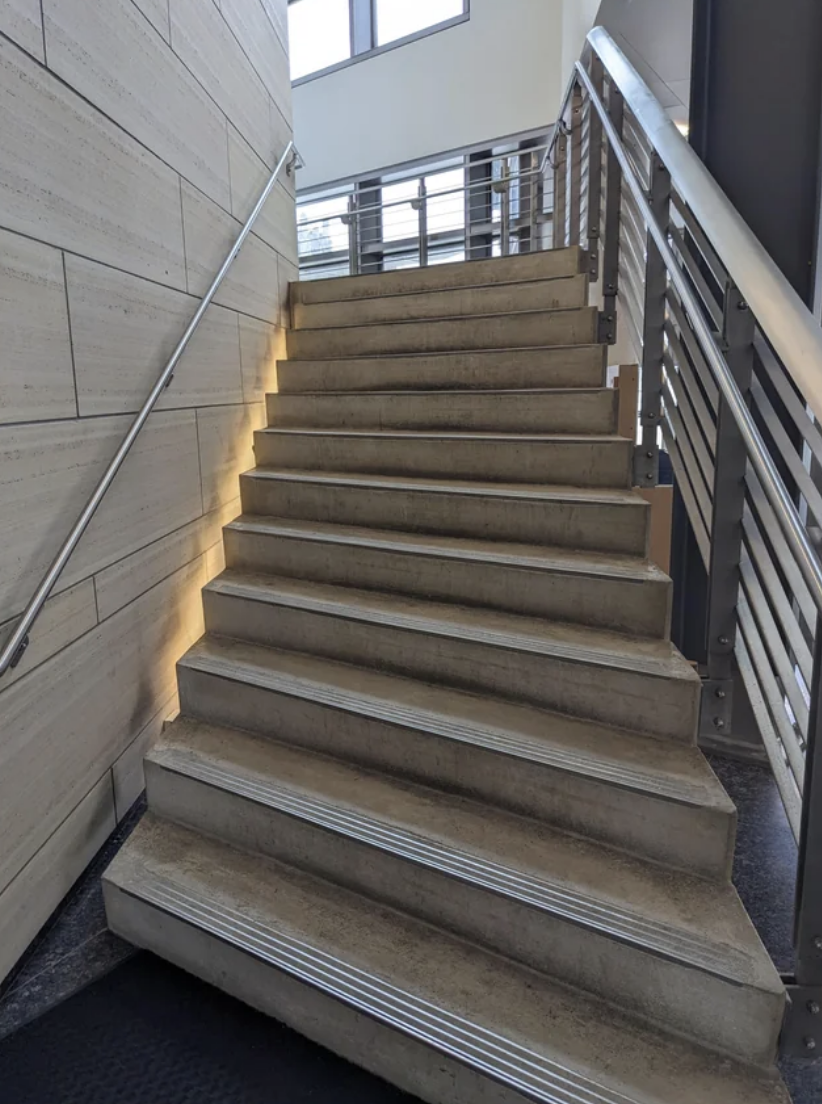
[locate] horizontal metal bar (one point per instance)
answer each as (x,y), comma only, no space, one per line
(702,381)
(701,488)
(718,270)
(691,266)
(675,386)
(785,781)
(18,639)
(684,487)
(682,369)
(774,488)
(793,460)
(691,345)
(780,382)
(790,327)
(779,600)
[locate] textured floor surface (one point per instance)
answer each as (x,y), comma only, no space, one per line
(147,1033)
(76,950)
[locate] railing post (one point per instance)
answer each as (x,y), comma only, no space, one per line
(422,212)
(613,215)
(575,194)
(594,212)
(802,1033)
(560,186)
(505,211)
(726,527)
(350,221)
(646,457)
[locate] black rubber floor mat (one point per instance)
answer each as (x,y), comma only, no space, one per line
(148,1033)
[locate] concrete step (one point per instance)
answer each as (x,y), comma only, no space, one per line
(563,366)
(586,461)
(576,411)
(603,590)
(633,682)
(654,798)
(493,331)
(548,265)
(539,295)
(680,952)
(567,517)
(445,1020)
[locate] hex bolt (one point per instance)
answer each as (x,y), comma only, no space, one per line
(719,723)
(650,476)
(817,943)
(813,1007)
(742,305)
(810,1042)
(720,694)
(724,641)
(649,455)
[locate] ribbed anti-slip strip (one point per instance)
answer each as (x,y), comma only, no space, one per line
(470,1043)
(352,610)
(486,736)
(662,940)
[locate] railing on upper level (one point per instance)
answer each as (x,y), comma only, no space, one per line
(469,208)
(731,387)
(17,643)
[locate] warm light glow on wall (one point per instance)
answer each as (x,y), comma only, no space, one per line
(684,129)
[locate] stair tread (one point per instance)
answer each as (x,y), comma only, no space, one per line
(430,320)
(537,492)
(576,643)
(496,285)
(675,916)
(551,1042)
(446,435)
(504,553)
(444,392)
(666,769)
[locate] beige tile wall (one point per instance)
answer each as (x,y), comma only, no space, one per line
(135,138)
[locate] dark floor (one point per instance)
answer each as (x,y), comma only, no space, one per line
(76,949)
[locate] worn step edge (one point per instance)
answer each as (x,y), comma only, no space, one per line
(228,667)
(621,924)
(557,561)
(506,1061)
(440,619)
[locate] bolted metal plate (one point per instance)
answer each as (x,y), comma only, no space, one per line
(802,1030)
(716,708)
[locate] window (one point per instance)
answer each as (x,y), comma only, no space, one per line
(319,34)
(324,33)
(398,18)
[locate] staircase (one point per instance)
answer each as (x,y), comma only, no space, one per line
(433,797)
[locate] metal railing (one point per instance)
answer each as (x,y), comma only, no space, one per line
(731,388)
(17,643)
(471,208)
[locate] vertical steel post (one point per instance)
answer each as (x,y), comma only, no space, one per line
(560,186)
(646,457)
(353,236)
(726,525)
(422,214)
(505,210)
(613,216)
(594,212)
(575,187)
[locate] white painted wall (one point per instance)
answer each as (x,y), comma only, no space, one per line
(498,74)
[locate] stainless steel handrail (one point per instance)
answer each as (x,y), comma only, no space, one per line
(792,330)
(16,644)
(758,453)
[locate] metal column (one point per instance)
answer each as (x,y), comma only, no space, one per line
(613,216)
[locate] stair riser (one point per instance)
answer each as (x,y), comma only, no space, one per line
(669,993)
(583,463)
(590,526)
(624,605)
(399,1059)
(585,412)
(567,294)
(548,265)
(661,707)
(578,327)
(694,838)
(582,366)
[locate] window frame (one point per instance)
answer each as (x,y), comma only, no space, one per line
(363,30)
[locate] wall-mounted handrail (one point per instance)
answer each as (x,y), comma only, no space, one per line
(16,644)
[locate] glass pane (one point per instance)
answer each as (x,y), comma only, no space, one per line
(446,201)
(398,18)
(399,219)
(319,34)
(320,229)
